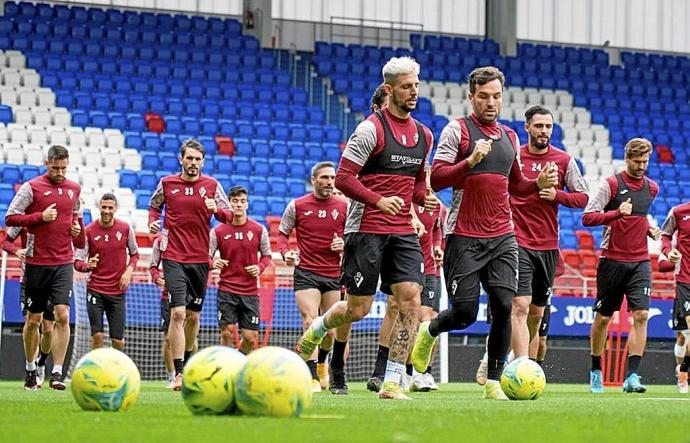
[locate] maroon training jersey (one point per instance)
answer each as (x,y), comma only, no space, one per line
(47,244)
(241,246)
(116,247)
(480,206)
(678,223)
(186,227)
(536,219)
(431,238)
(624,237)
(361,177)
(154,267)
(315,221)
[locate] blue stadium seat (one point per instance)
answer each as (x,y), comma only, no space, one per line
(128,179)
(6,193)
(148,180)
(258,186)
(143,197)
(149,160)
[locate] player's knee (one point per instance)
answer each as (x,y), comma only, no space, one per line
(501,308)
(520,307)
(178,316)
(61,316)
(31,326)
(192,317)
(641,316)
(250,337)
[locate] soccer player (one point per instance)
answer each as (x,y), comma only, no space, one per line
(621,204)
(318,219)
(47,324)
(239,243)
(480,159)
(678,223)
(110,256)
(158,279)
(48,206)
(190,200)
(536,225)
(382,171)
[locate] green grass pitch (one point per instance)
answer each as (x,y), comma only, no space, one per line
(456,413)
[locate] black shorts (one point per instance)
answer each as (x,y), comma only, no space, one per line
(304,279)
(431,292)
(615,279)
(114,308)
(165,315)
(471,262)
(536,271)
(48,314)
(47,284)
(238,309)
(681,307)
(396,258)
(186,283)
(544,325)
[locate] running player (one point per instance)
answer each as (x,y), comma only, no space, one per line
(621,204)
(382,171)
(678,223)
(536,225)
(110,256)
(480,159)
(318,219)
(190,200)
(48,206)
(239,243)
(46,330)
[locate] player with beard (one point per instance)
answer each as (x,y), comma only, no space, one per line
(536,225)
(318,220)
(110,256)
(383,170)
(190,200)
(621,204)
(48,206)
(480,159)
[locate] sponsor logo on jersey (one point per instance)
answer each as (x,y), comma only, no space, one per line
(406,159)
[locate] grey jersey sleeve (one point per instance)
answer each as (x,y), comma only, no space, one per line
(449,143)
(212,243)
(22,200)
(574,180)
(289,220)
(601,198)
(361,143)
(265,245)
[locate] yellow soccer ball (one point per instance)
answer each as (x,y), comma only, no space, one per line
(523,379)
(209,378)
(105,379)
(274,382)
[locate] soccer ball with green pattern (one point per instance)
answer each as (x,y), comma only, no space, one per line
(274,382)
(209,378)
(105,379)
(523,379)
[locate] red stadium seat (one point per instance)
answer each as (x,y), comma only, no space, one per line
(572,259)
(226,145)
(154,122)
(585,239)
(589,259)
